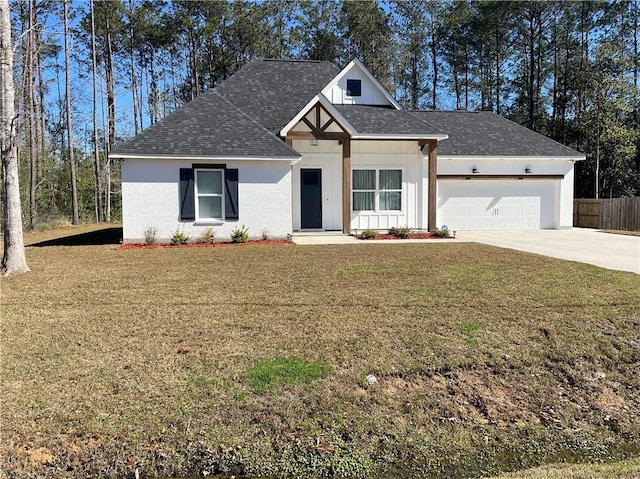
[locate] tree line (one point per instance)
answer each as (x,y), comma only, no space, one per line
(91,74)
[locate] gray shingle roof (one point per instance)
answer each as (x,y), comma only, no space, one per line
(207,126)
(274,91)
(377,120)
(484,133)
(238,118)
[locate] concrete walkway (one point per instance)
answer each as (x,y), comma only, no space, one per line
(611,251)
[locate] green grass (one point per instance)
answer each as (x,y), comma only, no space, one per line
(279,372)
(487,360)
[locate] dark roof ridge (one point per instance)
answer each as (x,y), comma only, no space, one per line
(292,60)
(261,127)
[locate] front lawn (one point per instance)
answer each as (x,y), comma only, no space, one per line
(483,360)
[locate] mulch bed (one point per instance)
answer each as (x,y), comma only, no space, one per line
(217,244)
(421,235)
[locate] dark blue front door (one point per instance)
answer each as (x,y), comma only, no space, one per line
(311,198)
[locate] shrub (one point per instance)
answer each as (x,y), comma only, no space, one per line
(403,232)
(368,234)
(264,234)
(206,237)
(240,235)
(151,235)
(441,233)
(179,237)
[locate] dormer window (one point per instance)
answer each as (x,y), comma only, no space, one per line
(354,87)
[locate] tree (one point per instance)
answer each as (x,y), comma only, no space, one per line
(75,219)
(367,36)
(14,258)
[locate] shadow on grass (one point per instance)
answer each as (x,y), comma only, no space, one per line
(91,238)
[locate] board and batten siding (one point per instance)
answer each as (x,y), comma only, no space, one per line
(326,156)
(150,199)
(404,155)
(365,154)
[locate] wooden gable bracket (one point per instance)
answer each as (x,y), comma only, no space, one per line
(318,129)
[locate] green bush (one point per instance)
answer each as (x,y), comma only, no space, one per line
(240,235)
(403,232)
(179,237)
(368,234)
(444,233)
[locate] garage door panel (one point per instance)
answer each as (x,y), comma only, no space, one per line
(501,204)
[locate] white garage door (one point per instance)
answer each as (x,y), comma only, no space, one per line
(497,204)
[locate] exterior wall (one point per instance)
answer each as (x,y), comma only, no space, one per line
(150,198)
(394,154)
(370,94)
(327,156)
(563,203)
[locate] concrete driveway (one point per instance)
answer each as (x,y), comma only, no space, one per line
(590,246)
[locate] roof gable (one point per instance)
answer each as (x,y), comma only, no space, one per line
(372,92)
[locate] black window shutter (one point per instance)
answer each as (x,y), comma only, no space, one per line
(187,195)
(231,194)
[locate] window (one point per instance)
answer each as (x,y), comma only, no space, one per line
(211,190)
(209,194)
(377,190)
(354,87)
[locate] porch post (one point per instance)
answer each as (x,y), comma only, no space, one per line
(346,185)
(432,197)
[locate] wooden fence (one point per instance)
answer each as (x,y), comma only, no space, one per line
(608,214)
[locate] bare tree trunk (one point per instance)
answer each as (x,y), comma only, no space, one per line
(434,63)
(13,259)
(132,59)
(75,219)
(31,108)
(111,118)
(96,142)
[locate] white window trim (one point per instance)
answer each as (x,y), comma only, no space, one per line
(377,190)
(198,195)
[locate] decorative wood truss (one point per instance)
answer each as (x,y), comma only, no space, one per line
(318,124)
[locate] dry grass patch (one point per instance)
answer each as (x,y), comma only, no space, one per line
(629,469)
(487,360)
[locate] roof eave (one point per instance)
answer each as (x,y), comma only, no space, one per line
(400,136)
(129,156)
(511,157)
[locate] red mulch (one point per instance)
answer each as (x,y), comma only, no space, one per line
(134,246)
(421,235)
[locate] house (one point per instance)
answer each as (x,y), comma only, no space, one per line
(284,146)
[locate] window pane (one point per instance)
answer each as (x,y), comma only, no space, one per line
(209,182)
(354,87)
(364,200)
(390,201)
(390,179)
(210,207)
(364,179)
